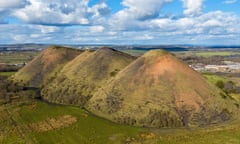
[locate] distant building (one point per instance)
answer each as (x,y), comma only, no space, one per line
(229,66)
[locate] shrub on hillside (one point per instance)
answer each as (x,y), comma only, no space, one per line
(220,84)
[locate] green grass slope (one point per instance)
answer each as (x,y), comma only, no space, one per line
(78,80)
(45,66)
(158,90)
(35,122)
(16,121)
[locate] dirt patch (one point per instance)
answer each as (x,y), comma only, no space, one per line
(148,135)
(84,115)
(131,140)
(53,123)
(32,106)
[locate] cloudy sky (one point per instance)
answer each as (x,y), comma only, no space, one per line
(208,22)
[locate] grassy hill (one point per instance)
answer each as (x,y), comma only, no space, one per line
(158,90)
(77,81)
(45,66)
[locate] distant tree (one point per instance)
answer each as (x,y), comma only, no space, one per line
(220,84)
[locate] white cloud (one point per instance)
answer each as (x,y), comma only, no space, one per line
(20,38)
(96,29)
(15,33)
(8,6)
(35,35)
(143,37)
(60,12)
(192,7)
(230,1)
(5,4)
(41,11)
(142,9)
(136,11)
(212,23)
(160,23)
(47,29)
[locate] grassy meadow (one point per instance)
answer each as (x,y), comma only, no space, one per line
(21,117)
(215,53)
(17,57)
(214,78)
(7,73)
(135,52)
(17,121)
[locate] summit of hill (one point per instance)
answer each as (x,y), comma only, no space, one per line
(41,69)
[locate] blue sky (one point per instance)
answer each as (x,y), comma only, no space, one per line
(199,22)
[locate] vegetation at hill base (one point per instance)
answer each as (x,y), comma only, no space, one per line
(29,121)
(228,86)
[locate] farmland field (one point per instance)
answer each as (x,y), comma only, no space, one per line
(7,73)
(213,53)
(17,57)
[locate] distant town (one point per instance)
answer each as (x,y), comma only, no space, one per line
(227,67)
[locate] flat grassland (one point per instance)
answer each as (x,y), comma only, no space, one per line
(135,52)
(205,54)
(17,57)
(7,73)
(213,53)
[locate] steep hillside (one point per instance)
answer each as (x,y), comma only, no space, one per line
(45,65)
(78,80)
(158,90)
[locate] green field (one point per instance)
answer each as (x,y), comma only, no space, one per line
(134,52)
(17,57)
(205,54)
(16,120)
(212,53)
(87,129)
(212,78)
(7,73)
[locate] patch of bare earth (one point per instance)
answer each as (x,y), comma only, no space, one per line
(53,123)
(148,135)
